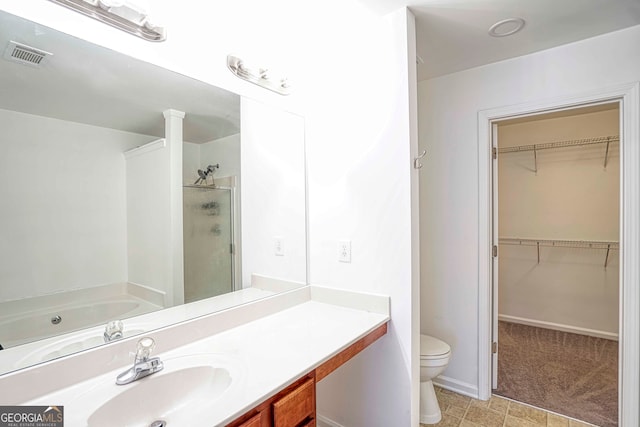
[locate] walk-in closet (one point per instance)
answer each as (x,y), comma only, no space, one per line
(556,210)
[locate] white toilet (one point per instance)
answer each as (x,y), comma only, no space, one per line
(434,358)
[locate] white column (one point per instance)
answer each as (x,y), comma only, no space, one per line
(173,135)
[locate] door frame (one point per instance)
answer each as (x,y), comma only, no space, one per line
(628,96)
(495,260)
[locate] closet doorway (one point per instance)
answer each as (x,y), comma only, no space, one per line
(556,231)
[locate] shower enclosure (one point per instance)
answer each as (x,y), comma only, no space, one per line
(208,241)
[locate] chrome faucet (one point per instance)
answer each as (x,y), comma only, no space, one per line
(113,331)
(143,365)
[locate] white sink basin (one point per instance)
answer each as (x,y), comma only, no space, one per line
(175,395)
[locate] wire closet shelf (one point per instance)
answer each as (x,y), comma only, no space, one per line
(562,144)
(578,244)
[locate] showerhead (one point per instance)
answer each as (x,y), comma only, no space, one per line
(203,176)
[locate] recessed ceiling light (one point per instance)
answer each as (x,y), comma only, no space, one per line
(506,27)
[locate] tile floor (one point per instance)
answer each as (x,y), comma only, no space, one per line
(463,411)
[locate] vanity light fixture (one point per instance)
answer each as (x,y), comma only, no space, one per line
(122,14)
(506,27)
(258,76)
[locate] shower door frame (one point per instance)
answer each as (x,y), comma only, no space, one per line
(628,97)
(236,266)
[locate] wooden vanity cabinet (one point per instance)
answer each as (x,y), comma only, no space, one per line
(295,406)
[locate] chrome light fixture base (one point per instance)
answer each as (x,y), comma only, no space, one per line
(258,76)
(100,10)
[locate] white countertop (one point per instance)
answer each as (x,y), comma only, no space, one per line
(25,355)
(263,355)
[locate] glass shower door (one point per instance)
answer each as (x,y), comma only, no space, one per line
(208,242)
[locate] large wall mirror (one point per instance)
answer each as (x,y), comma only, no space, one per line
(133,197)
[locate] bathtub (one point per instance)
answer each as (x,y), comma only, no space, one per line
(44,318)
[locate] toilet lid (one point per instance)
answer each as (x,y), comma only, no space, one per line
(430,346)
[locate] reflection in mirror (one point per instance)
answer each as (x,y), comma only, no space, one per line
(131,193)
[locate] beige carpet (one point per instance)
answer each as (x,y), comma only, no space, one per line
(573,375)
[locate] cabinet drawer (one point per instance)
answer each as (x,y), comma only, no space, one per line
(252,422)
(296,406)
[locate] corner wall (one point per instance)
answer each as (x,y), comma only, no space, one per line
(448,113)
(360,185)
(64,210)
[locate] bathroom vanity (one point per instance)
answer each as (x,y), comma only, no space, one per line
(255,365)
(296,404)
(251,354)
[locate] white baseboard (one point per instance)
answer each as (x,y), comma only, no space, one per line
(459,387)
(559,327)
(326,422)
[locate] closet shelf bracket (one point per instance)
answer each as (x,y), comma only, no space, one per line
(606,156)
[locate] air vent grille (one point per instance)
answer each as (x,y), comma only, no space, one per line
(25,54)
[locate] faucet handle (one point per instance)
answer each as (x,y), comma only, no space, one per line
(114,326)
(144,348)
(113,330)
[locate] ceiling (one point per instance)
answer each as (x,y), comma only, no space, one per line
(85,83)
(452,34)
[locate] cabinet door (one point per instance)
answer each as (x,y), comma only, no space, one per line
(297,406)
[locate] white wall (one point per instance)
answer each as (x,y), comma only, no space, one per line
(226,153)
(273,198)
(223,151)
(148,221)
(190,162)
(360,158)
(449,107)
(63,214)
(571,197)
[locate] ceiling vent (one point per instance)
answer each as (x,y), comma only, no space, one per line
(26,55)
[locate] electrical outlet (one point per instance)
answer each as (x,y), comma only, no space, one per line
(278,246)
(344,251)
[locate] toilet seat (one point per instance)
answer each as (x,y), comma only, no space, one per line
(432,348)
